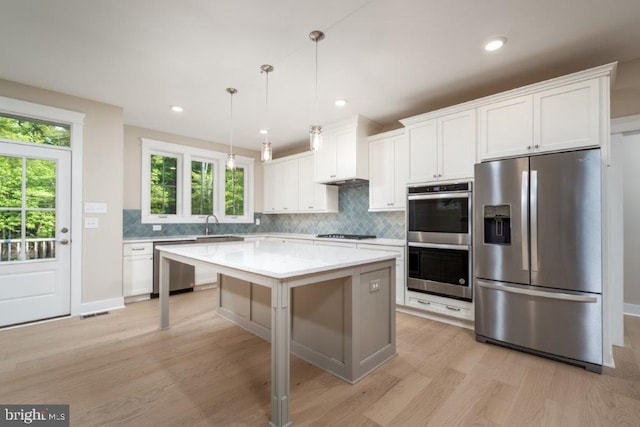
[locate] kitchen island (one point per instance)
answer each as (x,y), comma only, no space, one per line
(333,307)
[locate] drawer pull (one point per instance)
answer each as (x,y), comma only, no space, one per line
(137,249)
(450,307)
(424,302)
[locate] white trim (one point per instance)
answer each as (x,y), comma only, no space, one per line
(39,111)
(76,121)
(101,306)
(625,124)
(632,309)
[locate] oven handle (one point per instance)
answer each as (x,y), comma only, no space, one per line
(464,195)
(438,246)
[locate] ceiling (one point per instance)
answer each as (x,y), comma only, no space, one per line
(389,58)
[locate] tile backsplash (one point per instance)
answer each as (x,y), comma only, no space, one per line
(353,218)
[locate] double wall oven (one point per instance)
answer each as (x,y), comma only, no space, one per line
(439,239)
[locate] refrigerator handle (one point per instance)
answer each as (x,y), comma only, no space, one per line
(524,226)
(534,220)
(534,293)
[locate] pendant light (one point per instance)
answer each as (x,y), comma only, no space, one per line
(231,158)
(315,131)
(266,153)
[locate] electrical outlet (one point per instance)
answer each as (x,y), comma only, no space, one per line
(257,221)
(157,227)
(374,285)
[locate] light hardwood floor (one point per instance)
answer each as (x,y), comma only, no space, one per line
(118,369)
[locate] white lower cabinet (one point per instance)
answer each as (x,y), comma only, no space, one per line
(137,269)
(400,275)
(440,305)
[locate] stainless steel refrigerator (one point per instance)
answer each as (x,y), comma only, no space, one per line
(537,255)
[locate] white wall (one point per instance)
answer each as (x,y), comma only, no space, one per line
(631,208)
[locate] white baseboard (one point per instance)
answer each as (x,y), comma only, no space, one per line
(632,309)
(100,306)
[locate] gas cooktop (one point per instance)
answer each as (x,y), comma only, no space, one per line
(346,236)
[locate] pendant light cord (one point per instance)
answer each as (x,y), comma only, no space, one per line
(316,112)
(266,108)
(231,129)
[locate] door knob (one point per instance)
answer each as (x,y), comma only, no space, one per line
(64,230)
(64,242)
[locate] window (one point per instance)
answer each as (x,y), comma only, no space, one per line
(234,192)
(164,184)
(34,131)
(202,194)
(184,184)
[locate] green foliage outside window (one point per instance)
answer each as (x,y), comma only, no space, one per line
(234,192)
(40,198)
(201,188)
(29,130)
(164,174)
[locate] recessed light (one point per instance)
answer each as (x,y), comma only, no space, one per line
(495,44)
(263,131)
(177,109)
(340,102)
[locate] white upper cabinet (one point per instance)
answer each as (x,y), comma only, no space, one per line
(562,114)
(313,197)
(289,187)
(441,147)
(456,145)
(388,171)
(506,128)
(567,117)
(423,149)
(344,154)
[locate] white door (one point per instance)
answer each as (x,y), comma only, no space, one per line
(35,261)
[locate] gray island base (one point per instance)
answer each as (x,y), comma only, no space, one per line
(333,307)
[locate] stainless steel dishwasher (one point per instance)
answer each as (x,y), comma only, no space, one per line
(181,275)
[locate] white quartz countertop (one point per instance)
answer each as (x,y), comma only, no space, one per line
(276,259)
(383,242)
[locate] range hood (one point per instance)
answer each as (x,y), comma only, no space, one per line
(343,158)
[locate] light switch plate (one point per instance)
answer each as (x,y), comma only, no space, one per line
(95,208)
(91,223)
(157,227)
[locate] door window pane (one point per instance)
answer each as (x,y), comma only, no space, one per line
(35,131)
(164,173)
(234,192)
(40,228)
(201,188)
(10,182)
(10,235)
(41,183)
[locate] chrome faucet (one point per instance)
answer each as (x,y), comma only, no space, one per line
(206,223)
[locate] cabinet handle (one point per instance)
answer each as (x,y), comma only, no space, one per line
(450,307)
(537,146)
(528,147)
(435,176)
(423,302)
(310,207)
(332,176)
(137,249)
(439,175)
